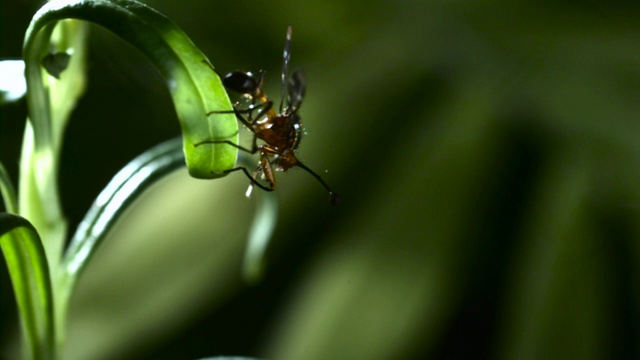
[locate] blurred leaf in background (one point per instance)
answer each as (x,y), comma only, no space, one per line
(488,159)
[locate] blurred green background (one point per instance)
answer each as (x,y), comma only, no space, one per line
(486,152)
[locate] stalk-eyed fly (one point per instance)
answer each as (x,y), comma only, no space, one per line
(280,132)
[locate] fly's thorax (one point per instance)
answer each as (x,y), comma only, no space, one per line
(279,131)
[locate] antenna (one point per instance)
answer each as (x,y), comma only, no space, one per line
(334,199)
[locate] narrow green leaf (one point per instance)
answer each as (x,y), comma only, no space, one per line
(8,191)
(29,273)
(123,189)
(195,88)
(557,289)
(54,87)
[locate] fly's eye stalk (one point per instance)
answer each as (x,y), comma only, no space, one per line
(241,82)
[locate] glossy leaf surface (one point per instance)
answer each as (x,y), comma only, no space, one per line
(29,273)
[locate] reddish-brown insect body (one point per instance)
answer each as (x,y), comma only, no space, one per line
(280,131)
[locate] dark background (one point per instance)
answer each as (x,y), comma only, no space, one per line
(488,159)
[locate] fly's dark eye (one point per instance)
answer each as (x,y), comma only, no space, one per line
(241,82)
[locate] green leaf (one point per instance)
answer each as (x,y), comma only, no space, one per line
(557,284)
(195,88)
(12,83)
(123,189)
(50,102)
(8,191)
(29,273)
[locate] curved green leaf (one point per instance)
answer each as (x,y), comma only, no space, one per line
(128,184)
(7,191)
(51,101)
(29,273)
(123,189)
(195,88)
